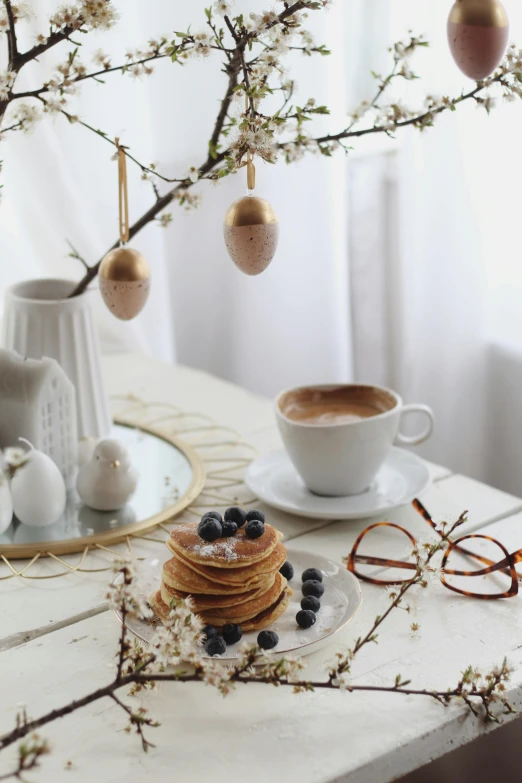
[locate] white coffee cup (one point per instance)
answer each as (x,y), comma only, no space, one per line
(339,436)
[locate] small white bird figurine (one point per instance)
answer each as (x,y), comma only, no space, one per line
(108,481)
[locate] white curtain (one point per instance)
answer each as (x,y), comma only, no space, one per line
(437,285)
(290,325)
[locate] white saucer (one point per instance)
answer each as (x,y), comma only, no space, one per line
(274,480)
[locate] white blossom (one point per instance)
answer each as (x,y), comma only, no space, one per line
(264,20)
(100,58)
(54,105)
(406,72)
(7,79)
(223,7)
(488,103)
(165,219)
(188,199)
(293,152)
(93,14)
(202,43)
(20,11)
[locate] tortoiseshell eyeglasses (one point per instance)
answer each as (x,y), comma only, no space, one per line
(474,565)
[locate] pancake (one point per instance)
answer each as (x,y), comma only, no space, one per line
(240,613)
(234,552)
(232,580)
(203,602)
(181,577)
(262,620)
(243,575)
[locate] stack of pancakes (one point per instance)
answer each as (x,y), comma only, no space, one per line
(231,580)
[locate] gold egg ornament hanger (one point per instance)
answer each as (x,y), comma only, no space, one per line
(124,273)
(478,32)
(251,229)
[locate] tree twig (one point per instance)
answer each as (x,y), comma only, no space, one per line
(137,721)
(32,54)
(146,169)
(94,75)
(11,36)
(241,676)
(74,254)
(418,120)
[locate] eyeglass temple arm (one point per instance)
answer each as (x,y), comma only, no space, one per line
(370,560)
(503,565)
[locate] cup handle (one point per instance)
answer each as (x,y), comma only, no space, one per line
(414,440)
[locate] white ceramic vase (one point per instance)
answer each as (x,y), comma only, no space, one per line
(39,320)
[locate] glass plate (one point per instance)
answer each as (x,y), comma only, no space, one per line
(339,605)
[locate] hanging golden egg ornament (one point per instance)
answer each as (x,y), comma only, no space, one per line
(478,33)
(124,273)
(124,282)
(251,230)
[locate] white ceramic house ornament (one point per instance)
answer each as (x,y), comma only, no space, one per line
(108,481)
(38,402)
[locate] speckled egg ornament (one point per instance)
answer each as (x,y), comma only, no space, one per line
(478,33)
(124,282)
(124,273)
(251,231)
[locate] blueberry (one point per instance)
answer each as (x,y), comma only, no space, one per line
(306,618)
(254,528)
(208,631)
(213,515)
(232,633)
(311,602)
(236,514)
(215,646)
(287,570)
(229,528)
(267,640)
(254,514)
(210,528)
(312,573)
(312,587)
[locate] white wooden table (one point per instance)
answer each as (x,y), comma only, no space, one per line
(57,641)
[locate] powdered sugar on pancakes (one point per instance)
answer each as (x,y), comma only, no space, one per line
(231,552)
(225,550)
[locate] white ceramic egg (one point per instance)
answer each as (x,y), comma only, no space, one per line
(6,503)
(38,490)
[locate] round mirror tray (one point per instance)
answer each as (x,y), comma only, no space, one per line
(171,476)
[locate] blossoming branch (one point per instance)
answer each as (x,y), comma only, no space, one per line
(254,52)
(175,655)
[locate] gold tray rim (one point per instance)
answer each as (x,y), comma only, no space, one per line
(71,546)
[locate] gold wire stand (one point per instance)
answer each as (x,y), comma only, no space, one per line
(218,457)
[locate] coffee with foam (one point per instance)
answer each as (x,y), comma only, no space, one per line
(334,405)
